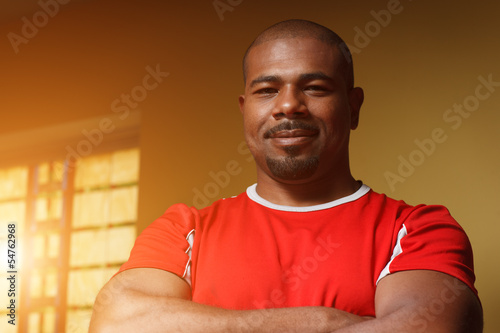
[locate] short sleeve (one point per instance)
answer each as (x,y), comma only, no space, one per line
(430,239)
(166,243)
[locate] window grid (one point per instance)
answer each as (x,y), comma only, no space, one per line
(13,190)
(99,182)
(45,277)
(58,282)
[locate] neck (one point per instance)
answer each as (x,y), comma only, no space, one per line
(306,192)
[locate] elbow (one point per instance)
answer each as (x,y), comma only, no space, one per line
(106,312)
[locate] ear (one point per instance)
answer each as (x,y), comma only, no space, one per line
(356,98)
(241,101)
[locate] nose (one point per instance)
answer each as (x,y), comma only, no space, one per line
(290,104)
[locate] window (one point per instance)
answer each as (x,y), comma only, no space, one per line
(76,226)
(13,192)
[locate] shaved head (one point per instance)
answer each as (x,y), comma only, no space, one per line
(305,29)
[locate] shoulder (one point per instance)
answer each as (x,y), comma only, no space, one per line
(234,203)
(180,216)
(427,237)
(405,212)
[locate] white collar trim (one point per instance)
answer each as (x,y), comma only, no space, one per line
(252,194)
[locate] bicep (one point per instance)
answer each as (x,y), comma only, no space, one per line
(428,301)
(151,282)
(131,293)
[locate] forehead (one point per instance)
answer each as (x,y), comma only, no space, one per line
(293,56)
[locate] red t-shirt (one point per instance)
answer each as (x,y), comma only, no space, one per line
(247,253)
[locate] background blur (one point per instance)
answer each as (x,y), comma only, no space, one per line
(111,111)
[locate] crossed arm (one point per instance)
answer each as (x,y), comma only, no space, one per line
(151,300)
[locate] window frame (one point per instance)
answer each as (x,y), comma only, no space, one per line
(124,136)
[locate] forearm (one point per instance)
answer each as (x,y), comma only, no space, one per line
(135,312)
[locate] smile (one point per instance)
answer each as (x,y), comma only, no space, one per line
(294,133)
(293,137)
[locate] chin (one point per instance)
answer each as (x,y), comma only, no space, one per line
(290,168)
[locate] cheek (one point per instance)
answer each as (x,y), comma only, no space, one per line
(336,123)
(249,126)
(253,121)
(251,132)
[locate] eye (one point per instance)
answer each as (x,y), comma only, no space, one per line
(267,91)
(317,90)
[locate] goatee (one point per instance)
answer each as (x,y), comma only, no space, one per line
(292,168)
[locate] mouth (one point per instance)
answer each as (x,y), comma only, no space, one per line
(292,130)
(293,137)
(294,133)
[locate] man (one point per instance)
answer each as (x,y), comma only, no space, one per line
(308,248)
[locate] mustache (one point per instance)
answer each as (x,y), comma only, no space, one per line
(291,125)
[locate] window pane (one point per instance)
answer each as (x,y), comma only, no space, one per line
(93,171)
(53,243)
(36,284)
(78,321)
(51,277)
(48,206)
(90,209)
(88,248)
(125,166)
(59,171)
(49,320)
(83,285)
(13,211)
(34,322)
(56,205)
(97,247)
(43,173)
(123,204)
(13,182)
(41,212)
(120,242)
(39,246)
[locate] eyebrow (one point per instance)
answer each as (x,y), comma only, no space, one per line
(315,76)
(302,77)
(265,78)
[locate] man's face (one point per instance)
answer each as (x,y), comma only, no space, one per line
(298,109)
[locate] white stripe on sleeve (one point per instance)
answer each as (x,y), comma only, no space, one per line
(187,271)
(397,251)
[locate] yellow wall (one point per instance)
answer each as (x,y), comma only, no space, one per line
(428,58)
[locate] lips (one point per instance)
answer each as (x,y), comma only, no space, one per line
(292,129)
(292,134)
(295,133)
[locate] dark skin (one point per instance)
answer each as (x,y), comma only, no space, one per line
(292,80)
(300,79)
(283,85)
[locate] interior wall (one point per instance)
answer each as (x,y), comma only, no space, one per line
(429,126)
